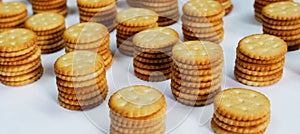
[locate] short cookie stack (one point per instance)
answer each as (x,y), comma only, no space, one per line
(81,80)
(89,36)
(227,5)
(260,60)
(196,72)
(260,4)
(240,111)
(101,11)
(282,19)
(137,110)
(152,53)
(203,20)
(131,21)
(56,6)
(20,61)
(12,15)
(167,9)
(49,27)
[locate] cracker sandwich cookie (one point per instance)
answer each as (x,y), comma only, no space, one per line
(260,60)
(152,53)
(196,72)
(137,110)
(166,9)
(100,11)
(282,19)
(241,111)
(55,6)
(20,61)
(203,20)
(81,80)
(131,21)
(89,36)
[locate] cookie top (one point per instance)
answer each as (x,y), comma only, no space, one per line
(202,8)
(159,37)
(16,39)
(136,101)
(9,9)
(197,52)
(262,46)
(136,17)
(94,3)
(242,104)
(45,21)
(78,63)
(282,10)
(85,32)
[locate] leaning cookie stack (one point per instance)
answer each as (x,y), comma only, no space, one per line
(131,21)
(20,61)
(241,111)
(49,27)
(89,36)
(81,80)
(196,72)
(99,11)
(167,9)
(282,19)
(203,20)
(56,6)
(227,5)
(137,110)
(12,15)
(152,53)
(260,60)
(260,4)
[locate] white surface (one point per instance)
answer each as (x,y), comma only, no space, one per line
(34,108)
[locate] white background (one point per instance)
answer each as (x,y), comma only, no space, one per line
(34,108)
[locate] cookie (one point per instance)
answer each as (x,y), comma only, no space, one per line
(202,8)
(136,17)
(45,21)
(282,11)
(9,9)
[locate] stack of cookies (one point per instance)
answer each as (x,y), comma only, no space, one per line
(56,6)
(227,5)
(131,21)
(89,36)
(152,53)
(241,111)
(260,4)
(203,20)
(260,60)
(49,27)
(167,10)
(98,11)
(12,15)
(81,80)
(282,19)
(137,110)
(196,72)
(20,61)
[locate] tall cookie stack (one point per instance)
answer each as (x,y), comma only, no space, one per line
(12,15)
(167,10)
(137,110)
(89,36)
(81,80)
(99,11)
(227,5)
(20,61)
(49,27)
(260,60)
(203,20)
(260,4)
(282,19)
(55,6)
(131,21)
(241,111)
(152,53)
(196,72)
